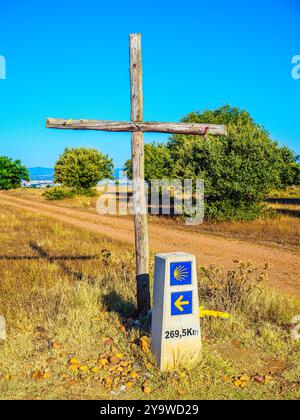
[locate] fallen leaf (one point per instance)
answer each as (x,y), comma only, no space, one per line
(145,344)
(74,368)
(95,369)
(37,375)
(112,367)
(133,375)
(108,342)
(120,355)
(237,383)
(47,375)
(107,382)
(96,318)
(74,361)
(244,378)
(103,362)
(56,345)
(150,366)
(39,331)
(114,360)
(147,390)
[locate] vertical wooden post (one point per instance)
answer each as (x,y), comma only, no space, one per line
(138,175)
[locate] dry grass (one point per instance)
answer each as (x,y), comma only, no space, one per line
(281,230)
(63,305)
(290,192)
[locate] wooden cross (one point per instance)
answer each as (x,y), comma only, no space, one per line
(137,127)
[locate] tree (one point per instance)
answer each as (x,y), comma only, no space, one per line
(158,162)
(290,172)
(82,168)
(12,173)
(297,171)
(239,170)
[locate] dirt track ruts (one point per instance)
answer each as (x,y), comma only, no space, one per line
(209,249)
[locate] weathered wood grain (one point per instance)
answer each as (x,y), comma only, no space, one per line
(145,127)
(138,175)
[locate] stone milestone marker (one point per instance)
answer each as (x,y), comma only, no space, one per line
(176,334)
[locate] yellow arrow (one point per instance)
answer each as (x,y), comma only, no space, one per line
(180,303)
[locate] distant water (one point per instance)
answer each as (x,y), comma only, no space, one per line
(47,174)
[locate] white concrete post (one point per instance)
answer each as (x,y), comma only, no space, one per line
(176,334)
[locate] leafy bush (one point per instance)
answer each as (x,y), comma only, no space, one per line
(60,193)
(158,162)
(82,168)
(12,173)
(290,172)
(239,170)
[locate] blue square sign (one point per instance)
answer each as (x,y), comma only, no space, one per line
(181,273)
(181,303)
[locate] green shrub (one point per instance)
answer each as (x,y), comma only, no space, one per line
(12,173)
(82,168)
(87,192)
(58,193)
(158,163)
(239,170)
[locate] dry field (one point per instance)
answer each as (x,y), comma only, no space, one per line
(66,290)
(282,230)
(273,240)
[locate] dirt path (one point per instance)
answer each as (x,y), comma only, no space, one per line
(285,265)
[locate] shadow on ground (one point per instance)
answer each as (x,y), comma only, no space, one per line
(127,312)
(60,260)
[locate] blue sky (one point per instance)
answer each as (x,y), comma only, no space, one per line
(69,59)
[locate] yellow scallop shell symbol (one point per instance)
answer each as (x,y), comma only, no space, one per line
(180,273)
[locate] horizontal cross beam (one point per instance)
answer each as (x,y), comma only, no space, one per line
(134,127)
